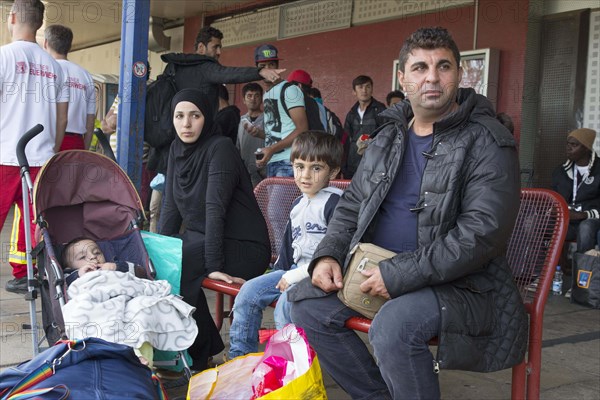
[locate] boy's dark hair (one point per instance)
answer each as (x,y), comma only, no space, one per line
(223,93)
(318,146)
(393,93)
(429,39)
(63,258)
(361,80)
(251,87)
(29,12)
(315,93)
(59,38)
(205,34)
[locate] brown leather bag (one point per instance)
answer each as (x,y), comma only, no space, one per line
(364,256)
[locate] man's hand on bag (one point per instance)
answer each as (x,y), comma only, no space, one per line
(374,284)
(327,275)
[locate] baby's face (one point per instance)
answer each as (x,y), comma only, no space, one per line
(83,253)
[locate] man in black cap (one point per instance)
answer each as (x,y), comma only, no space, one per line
(284,115)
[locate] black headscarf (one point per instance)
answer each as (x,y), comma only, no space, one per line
(186,157)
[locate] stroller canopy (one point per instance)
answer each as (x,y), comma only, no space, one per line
(81,193)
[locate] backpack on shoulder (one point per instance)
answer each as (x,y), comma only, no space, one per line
(158,122)
(310,105)
(334,125)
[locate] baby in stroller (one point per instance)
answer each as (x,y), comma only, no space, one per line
(109,300)
(82,255)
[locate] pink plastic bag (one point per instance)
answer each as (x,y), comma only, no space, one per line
(287,356)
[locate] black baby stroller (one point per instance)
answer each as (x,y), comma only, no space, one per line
(84,194)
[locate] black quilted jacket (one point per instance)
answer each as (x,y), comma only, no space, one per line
(468,204)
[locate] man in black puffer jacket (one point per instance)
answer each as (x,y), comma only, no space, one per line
(439,185)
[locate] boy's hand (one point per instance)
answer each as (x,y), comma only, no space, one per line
(282,285)
(327,275)
(108,266)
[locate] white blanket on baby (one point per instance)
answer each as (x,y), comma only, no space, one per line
(120,308)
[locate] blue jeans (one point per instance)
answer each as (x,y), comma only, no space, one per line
(399,335)
(280,168)
(256,295)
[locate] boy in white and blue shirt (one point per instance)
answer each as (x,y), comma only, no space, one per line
(316,158)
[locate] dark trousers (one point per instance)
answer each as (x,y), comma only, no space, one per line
(403,364)
(242,259)
(585,232)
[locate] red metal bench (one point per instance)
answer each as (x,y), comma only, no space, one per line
(275,197)
(533,252)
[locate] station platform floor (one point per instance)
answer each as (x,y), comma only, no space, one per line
(570,348)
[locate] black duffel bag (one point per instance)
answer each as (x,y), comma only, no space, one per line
(586,279)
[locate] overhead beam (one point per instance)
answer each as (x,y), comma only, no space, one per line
(228,11)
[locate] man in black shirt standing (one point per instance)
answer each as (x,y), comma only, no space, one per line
(361,120)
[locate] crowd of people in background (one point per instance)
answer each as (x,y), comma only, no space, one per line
(400,171)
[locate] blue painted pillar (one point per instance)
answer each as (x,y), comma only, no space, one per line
(132,87)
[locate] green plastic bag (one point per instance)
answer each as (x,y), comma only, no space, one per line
(165,254)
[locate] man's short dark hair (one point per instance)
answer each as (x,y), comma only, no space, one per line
(392,94)
(428,39)
(361,80)
(251,87)
(318,146)
(315,93)
(59,38)
(29,12)
(205,34)
(223,93)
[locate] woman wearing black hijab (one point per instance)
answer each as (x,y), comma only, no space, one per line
(209,190)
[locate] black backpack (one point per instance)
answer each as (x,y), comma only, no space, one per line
(158,121)
(334,125)
(310,105)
